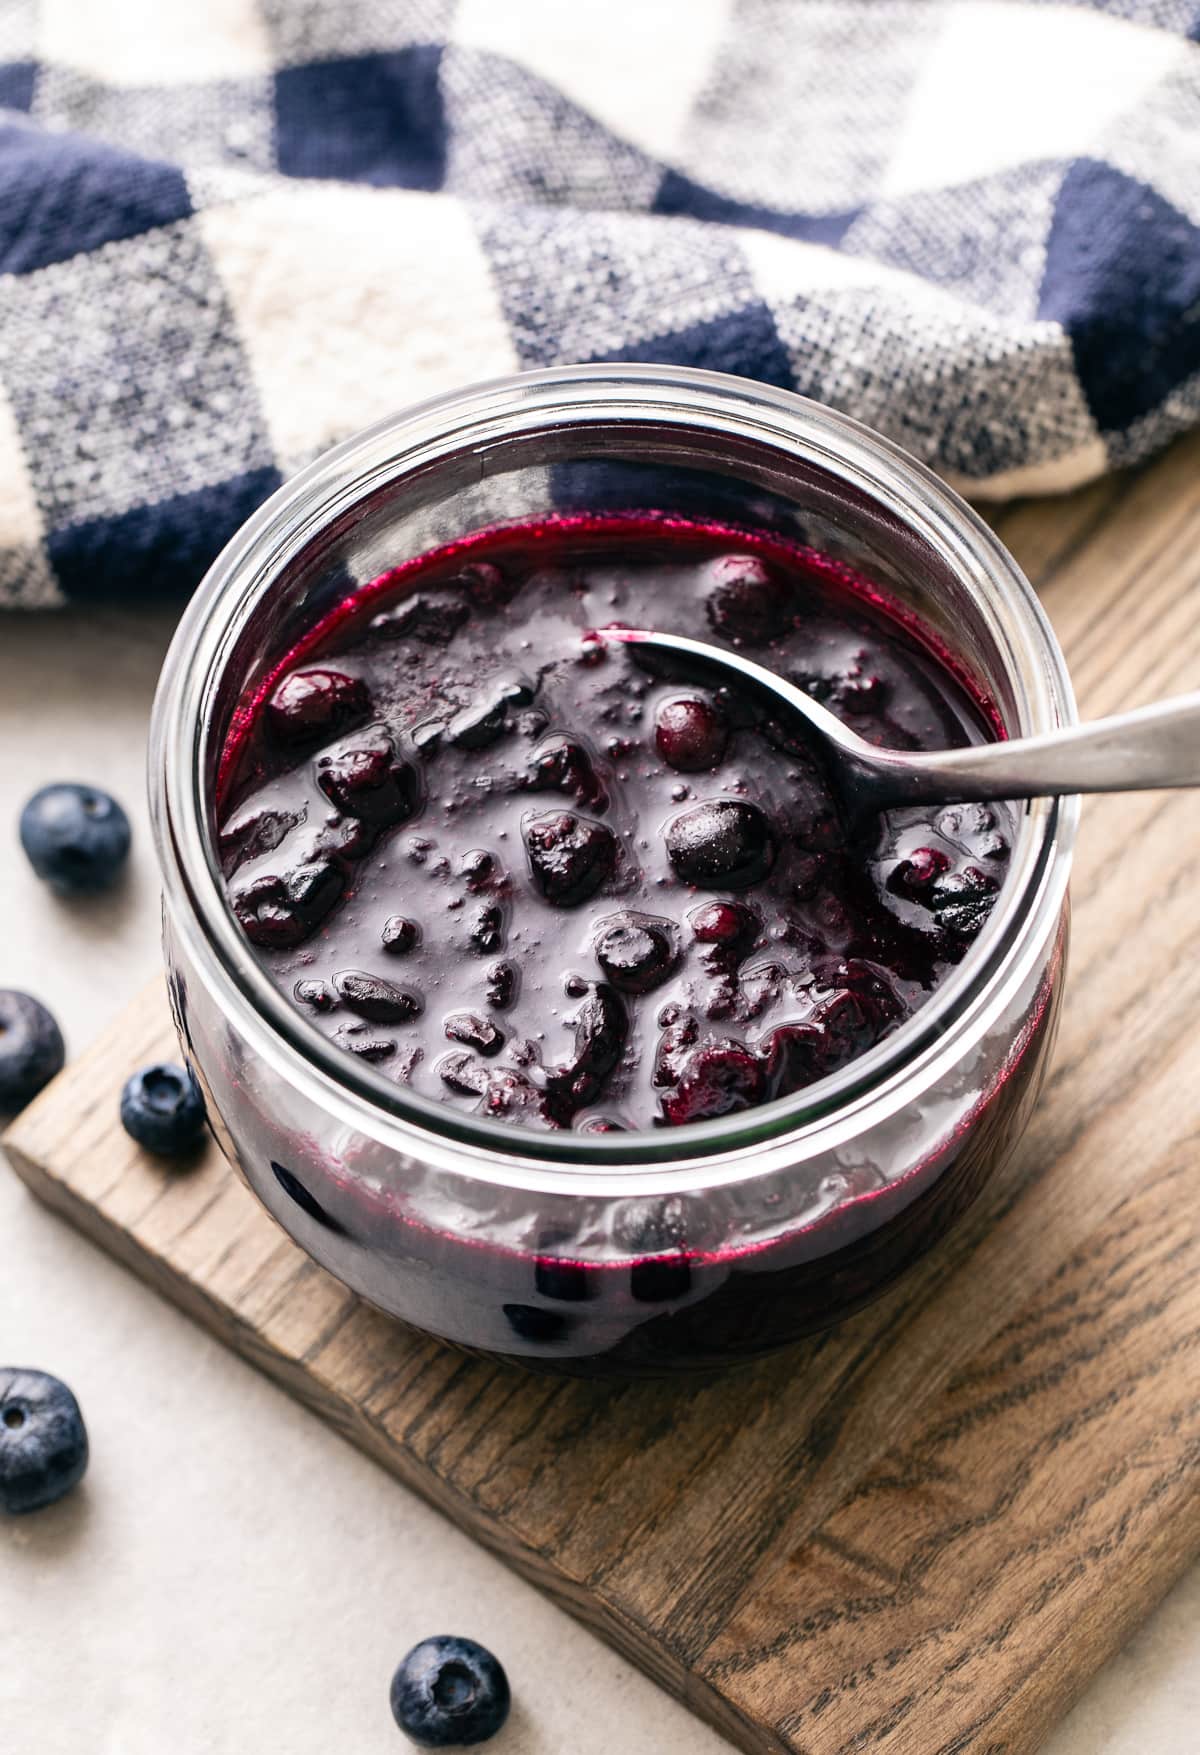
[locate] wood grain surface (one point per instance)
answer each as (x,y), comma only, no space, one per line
(917,1535)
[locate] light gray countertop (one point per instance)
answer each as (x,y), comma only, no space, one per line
(233,1578)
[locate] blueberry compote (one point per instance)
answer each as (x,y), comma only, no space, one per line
(511,867)
(498,858)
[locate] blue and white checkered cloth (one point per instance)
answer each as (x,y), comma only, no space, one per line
(232,231)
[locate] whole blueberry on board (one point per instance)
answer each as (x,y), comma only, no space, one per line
(31,1049)
(162,1109)
(43,1440)
(76,837)
(448,1693)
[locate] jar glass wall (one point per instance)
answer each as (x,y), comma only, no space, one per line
(653,1250)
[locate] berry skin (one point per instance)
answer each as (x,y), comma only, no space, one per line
(690,733)
(449,1693)
(162,1109)
(731,926)
(569,856)
(31,1049)
(43,1440)
(310,705)
(433,617)
(76,838)
(724,843)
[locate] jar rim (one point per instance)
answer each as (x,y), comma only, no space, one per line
(729,1149)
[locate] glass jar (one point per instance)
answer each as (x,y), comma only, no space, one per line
(661,1250)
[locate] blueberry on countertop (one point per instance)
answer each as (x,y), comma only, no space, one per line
(448,1693)
(31,1049)
(76,837)
(43,1440)
(162,1109)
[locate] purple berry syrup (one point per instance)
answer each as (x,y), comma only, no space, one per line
(489,853)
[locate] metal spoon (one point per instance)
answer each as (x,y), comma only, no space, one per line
(1158,745)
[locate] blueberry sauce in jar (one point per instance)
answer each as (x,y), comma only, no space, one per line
(495,857)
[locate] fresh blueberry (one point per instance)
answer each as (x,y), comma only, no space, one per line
(31,1049)
(76,837)
(569,856)
(691,734)
(311,704)
(162,1109)
(43,1440)
(724,843)
(449,1693)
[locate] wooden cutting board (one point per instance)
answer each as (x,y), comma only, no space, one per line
(922,1533)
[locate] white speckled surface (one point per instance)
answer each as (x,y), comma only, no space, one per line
(234,1579)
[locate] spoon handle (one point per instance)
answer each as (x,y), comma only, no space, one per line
(1152,746)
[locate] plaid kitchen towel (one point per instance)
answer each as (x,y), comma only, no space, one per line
(232,231)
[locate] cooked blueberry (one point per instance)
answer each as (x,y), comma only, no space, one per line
(464,1074)
(502,981)
(691,734)
(474,1032)
(449,1692)
(346,838)
(717,1079)
(962,900)
(486,584)
(427,736)
(279,912)
(366,778)
(254,833)
(358,1039)
(913,876)
(477,868)
(400,935)
(43,1440)
(304,1198)
(532,1323)
(31,1049)
(636,952)
(434,617)
(569,856)
(315,994)
(561,764)
(661,1279)
(311,705)
(567,1281)
(724,843)
(375,999)
(162,1109)
(486,931)
(601,1027)
(745,601)
(730,925)
(478,725)
(76,837)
